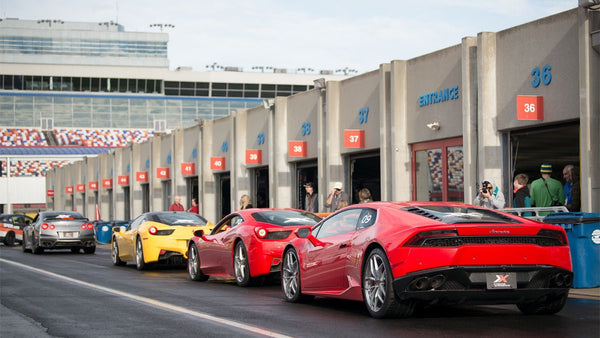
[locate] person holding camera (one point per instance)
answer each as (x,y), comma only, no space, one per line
(489,196)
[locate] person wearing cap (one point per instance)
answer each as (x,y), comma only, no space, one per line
(311,202)
(546,191)
(489,196)
(336,195)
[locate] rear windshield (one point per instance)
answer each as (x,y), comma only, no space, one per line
(63,215)
(455,214)
(178,219)
(286,217)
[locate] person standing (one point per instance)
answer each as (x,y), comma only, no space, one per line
(194,208)
(364,195)
(176,206)
(572,190)
(521,192)
(546,191)
(245,202)
(311,202)
(336,195)
(489,196)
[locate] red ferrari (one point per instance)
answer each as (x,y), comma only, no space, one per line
(394,256)
(246,245)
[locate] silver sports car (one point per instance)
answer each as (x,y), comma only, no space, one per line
(59,230)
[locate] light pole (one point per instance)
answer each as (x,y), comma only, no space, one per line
(346,71)
(162,25)
(214,66)
(262,68)
(108,24)
(50,22)
(305,69)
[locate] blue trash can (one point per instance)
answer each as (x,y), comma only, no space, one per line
(583,233)
(103,231)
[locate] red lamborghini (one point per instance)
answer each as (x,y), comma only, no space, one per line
(246,245)
(395,255)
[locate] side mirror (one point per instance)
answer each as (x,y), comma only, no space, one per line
(307,233)
(199,233)
(116,229)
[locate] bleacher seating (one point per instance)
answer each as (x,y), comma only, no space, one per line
(33,168)
(105,138)
(111,138)
(22,137)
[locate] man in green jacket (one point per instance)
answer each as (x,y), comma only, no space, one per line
(546,191)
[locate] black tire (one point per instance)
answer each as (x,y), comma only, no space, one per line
(24,244)
(378,291)
(37,250)
(548,305)
(75,250)
(240,265)
(9,239)
(114,253)
(193,266)
(290,278)
(139,256)
(89,250)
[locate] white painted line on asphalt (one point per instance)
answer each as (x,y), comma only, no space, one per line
(154,302)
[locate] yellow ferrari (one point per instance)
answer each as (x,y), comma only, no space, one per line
(156,237)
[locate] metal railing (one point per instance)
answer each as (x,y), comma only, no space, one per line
(534,212)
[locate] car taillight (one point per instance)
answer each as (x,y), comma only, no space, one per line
(152,230)
(46,226)
(553,234)
(261,232)
(83,227)
(90,226)
(420,238)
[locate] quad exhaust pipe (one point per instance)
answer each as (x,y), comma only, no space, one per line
(427,283)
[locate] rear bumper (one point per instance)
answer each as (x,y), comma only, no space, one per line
(265,257)
(53,242)
(468,284)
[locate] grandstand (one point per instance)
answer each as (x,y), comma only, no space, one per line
(83,139)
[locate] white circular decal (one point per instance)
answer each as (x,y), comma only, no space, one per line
(104,228)
(596,236)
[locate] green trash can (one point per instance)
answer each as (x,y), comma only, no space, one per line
(583,233)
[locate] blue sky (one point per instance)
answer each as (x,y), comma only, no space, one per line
(323,34)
